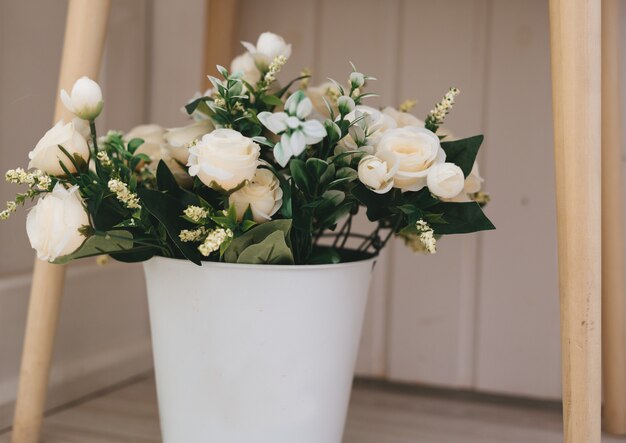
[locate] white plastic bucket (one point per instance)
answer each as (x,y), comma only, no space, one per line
(255,353)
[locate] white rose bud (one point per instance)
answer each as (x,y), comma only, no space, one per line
(224,158)
(244,63)
(417,149)
(445,180)
(85,100)
(376,172)
(47,155)
(263,195)
(357,79)
(52,225)
(268,47)
(345,104)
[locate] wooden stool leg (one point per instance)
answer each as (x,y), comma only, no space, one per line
(613,287)
(82,53)
(575,40)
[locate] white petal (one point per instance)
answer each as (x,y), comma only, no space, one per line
(297,143)
(313,131)
(67,101)
(304,108)
(281,155)
(249,47)
(274,122)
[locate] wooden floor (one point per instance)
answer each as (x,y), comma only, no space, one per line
(379,413)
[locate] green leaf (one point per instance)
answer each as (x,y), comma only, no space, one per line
(108,242)
(463,152)
(460,218)
(256,235)
(272,100)
(168,210)
(299,175)
(334,196)
(316,167)
(134,144)
(273,250)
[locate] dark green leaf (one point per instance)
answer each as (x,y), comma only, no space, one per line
(272,250)
(99,244)
(463,152)
(460,218)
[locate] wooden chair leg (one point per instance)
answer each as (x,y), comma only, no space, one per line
(575,41)
(82,53)
(613,284)
(219,36)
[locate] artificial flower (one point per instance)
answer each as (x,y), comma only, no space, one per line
(262,195)
(85,100)
(47,155)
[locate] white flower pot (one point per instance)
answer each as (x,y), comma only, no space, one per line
(255,353)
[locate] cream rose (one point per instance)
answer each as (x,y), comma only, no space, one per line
(179,139)
(417,149)
(377,172)
(263,195)
(403,119)
(85,100)
(47,155)
(445,180)
(52,225)
(224,157)
(473,182)
(244,63)
(317,94)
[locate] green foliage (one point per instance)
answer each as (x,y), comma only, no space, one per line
(266,243)
(463,152)
(100,243)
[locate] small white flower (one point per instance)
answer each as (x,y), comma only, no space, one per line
(123,194)
(214,240)
(53,224)
(193,235)
(85,100)
(196,213)
(296,133)
(357,79)
(426,236)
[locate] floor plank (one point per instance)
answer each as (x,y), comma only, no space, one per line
(379,413)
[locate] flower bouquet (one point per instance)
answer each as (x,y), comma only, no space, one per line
(266,174)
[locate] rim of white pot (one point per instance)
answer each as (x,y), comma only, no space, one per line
(214,264)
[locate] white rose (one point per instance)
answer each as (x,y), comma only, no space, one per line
(377,172)
(245,63)
(317,94)
(263,195)
(47,155)
(52,225)
(445,180)
(417,149)
(179,139)
(224,157)
(268,47)
(85,100)
(403,119)
(375,122)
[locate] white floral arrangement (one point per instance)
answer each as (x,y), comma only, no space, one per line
(265,174)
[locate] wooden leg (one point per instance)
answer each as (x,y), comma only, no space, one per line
(575,41)
(219,36)
(82,53)
(613,287)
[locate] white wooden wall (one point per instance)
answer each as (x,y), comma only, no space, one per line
(481,314)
